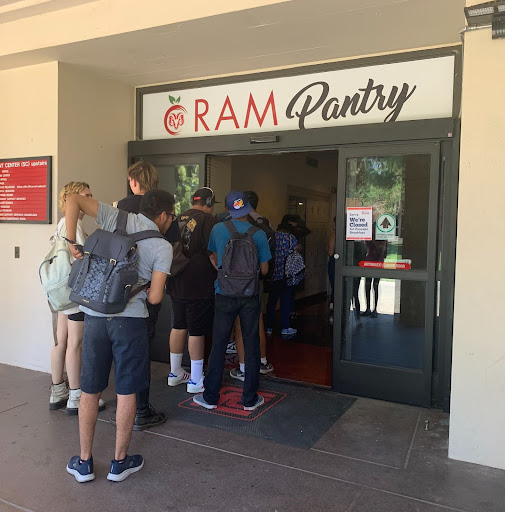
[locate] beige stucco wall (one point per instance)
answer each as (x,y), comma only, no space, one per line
(28,127)
(477,432)
(96,121)
(84,122)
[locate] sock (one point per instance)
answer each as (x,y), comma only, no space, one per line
(196,370)
(121,461)
(264,360)
(242,367)
(176,363)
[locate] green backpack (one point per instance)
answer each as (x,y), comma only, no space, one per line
(54,271)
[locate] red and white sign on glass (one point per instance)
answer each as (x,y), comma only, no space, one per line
(25,190)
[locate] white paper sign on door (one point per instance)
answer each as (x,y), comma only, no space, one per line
(359,223)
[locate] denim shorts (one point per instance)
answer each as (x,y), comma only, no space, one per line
(123,340)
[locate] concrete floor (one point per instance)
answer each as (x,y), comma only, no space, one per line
(377,457)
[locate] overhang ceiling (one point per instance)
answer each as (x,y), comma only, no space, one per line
(291,33)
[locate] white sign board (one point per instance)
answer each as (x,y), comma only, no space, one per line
(385,227)
(359,223)
(386,93)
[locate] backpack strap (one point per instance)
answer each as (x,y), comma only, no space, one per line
(231,227)
(143,235)
(252,230)
(122,219)
(234,231)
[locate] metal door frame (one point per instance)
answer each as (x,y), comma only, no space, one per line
(390,383)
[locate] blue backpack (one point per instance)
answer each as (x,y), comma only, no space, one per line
(104,278)
(294,268)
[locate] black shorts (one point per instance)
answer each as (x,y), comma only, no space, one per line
(77,317)
(196,316)
(123,340)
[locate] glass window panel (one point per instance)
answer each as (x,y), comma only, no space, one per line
(398,186)
(383,322)
(180,180)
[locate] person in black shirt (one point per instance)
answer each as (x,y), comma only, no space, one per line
(142,177)
(192,291)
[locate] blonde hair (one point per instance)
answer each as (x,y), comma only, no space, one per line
(145,174)
(74,187)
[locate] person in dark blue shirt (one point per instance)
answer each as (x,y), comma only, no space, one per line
(227,308)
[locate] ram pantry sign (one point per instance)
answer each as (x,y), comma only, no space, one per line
(387,93)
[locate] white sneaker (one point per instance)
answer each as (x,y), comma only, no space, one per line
(74,401)
(231,348)
(59,396)
(196,387)
(235,373)
(259,402)
(175,380)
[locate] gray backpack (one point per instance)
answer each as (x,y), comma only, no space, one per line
(238,275)
(103,279)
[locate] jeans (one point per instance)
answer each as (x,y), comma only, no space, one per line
(279,290)
(226,310)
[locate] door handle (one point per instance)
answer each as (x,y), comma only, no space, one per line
(336,256)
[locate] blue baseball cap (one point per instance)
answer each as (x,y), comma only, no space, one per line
(237,204)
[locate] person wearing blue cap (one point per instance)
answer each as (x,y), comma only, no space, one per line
(240,251)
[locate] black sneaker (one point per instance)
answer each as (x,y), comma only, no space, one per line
(147,418)
(121,469)
(82,470)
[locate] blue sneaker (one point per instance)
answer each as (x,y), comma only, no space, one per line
(81,469)
(119,470)
(198,399)
(268,331)
(288,332)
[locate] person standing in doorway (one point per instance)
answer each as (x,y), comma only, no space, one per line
(239,252)
(192,291)
(256,219)
(285,243)
(297,227)
(142,177)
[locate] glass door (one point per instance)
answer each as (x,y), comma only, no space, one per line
(385,263)
(180,175)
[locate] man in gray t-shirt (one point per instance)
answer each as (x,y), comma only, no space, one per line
(121,337)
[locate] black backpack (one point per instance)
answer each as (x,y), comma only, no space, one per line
(264,225)
(238,275)
(179,259)
(103,279)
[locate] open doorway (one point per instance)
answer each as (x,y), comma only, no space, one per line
(303,184)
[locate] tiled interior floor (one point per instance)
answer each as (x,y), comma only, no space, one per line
(377,457)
